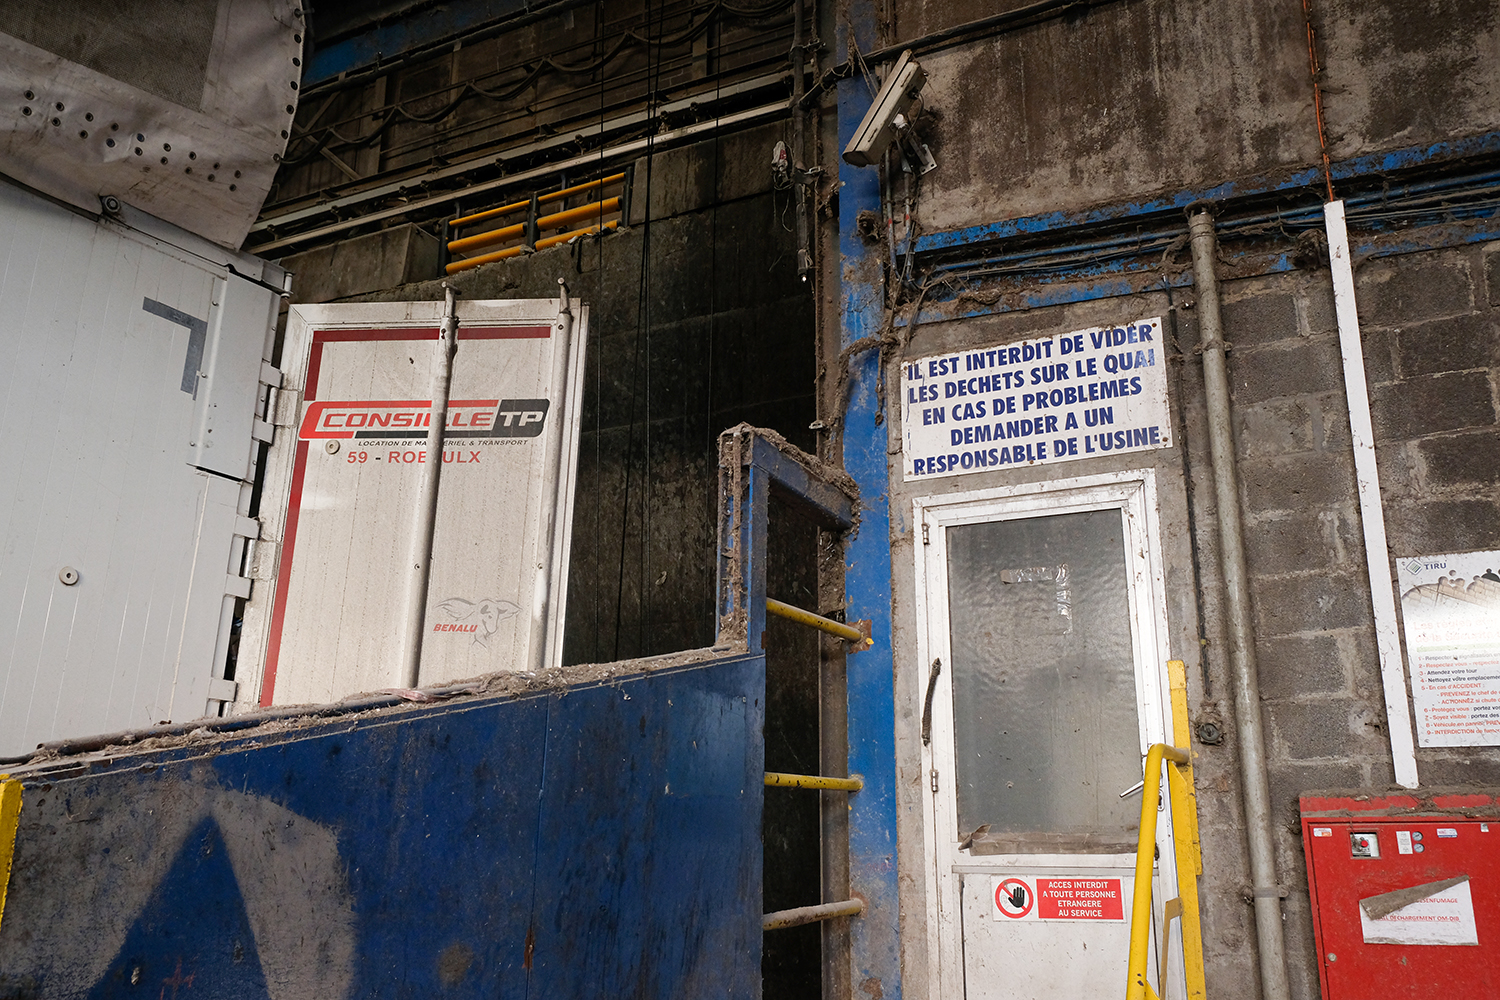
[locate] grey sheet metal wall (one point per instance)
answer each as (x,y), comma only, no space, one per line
(130,362)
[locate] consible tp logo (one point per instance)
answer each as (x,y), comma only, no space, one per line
(380,418)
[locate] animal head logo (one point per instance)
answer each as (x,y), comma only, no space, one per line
(481,619)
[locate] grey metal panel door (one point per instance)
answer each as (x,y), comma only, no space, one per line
(102,341)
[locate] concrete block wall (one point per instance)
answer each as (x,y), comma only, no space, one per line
(1431,335)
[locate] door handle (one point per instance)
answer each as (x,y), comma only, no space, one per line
(932,679)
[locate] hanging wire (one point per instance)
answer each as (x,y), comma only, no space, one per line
(642,333)
(401,113)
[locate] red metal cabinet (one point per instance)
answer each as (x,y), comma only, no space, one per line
(1374,940)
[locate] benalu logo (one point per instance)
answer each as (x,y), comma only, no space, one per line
(467,418)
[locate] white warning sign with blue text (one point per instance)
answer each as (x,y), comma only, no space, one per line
(1084,394)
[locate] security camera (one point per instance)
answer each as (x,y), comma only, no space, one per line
(888,117)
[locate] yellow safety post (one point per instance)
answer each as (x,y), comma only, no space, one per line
(1184,800)
(1136,986)
(10,822)
(775,779)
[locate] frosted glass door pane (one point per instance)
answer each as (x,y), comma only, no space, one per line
(1044,699)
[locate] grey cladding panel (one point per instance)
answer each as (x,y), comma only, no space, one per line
(125,39)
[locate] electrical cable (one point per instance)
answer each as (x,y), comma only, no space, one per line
(395,114)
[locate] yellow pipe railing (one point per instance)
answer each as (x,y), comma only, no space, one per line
(464,265)
(10,821)
(1184,801)
(776,779)
(542,199)
(818,622)
(554,221)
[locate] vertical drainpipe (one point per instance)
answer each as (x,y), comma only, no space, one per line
(1252,744)
(875,936)
(553,500)
(799,142)
(419,556)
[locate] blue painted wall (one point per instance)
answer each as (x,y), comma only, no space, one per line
(875,936)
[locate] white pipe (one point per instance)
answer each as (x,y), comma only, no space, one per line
(537,654)
(1255,786)
(1371,513)
(419,557)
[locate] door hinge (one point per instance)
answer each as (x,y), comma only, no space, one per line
(926,540)
(933,777)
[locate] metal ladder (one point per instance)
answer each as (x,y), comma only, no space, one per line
(753,464)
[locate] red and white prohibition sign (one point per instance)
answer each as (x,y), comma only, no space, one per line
(1014,898)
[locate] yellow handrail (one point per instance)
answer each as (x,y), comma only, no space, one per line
(556,220)
(10,821)
(1180,791)
(1136,986)
(795,614)
(777,779)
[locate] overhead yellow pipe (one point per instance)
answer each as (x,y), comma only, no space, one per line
(488,238)
(776,779)
(596,210)
(828,625)
(552,241)
(469,220)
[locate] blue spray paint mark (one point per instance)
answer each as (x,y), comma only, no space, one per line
(193,939)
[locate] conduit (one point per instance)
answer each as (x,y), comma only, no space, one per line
(1246,684)
(419,558)
(1371,513)
(553,496)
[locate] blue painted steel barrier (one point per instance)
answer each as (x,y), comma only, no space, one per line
(591,841)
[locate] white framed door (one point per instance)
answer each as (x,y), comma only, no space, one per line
(1043,608)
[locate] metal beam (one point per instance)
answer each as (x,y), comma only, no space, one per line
(408,185)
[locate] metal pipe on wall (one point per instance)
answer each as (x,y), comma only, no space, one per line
(799,184)
(538,656)
(420,554)
(1246,684)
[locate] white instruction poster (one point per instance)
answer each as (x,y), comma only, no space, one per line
(1451,608)
(1083,394)
(1445,917)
